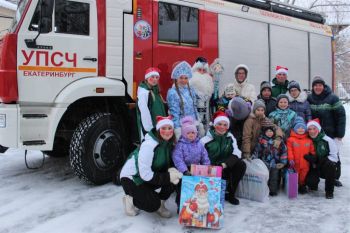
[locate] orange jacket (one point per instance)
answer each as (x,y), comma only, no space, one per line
(299,145)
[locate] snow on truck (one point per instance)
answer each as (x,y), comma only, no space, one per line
(69,69)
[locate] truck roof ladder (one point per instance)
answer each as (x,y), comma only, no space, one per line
(284,9)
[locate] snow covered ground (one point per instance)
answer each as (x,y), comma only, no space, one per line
(52,199)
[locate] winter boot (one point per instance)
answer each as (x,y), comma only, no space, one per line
(337,183)
(162,211)
(129,207)
(231,198)
(329,195)
(302,189)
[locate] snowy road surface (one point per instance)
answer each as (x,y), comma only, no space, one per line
(52,199)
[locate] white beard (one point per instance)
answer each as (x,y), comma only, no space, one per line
(203,204)
(203,84)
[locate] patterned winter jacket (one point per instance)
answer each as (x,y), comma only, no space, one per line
(176,109)
(330,111)
(187,153)
(300,105)
(252,131)
(284,119)
(269,154)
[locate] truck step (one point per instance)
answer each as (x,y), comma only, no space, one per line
(34,143)
(31,116)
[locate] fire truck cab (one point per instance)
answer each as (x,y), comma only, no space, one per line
(69,69)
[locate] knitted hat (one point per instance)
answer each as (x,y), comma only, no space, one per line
(188,124)
(293,84)
(314,122)
(318,79)
(281,70)
(230,89)
(152,72)
(239,107)
(182,68)
(265,84)
(201,62)
(259,104)
(220,116)
(281,96)
(161,121)
(299,123)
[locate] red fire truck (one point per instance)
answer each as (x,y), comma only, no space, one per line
(69,68)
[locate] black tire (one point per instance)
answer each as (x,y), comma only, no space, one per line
(97,149)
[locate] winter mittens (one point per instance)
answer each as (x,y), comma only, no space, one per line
(175,175)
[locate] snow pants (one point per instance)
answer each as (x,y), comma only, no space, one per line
(302,172)
(144,195)
(274,180)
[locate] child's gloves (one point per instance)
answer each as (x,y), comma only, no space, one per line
(187,173)
(279,165)
(277,142)
(310,158)
(175,175)
(291,163)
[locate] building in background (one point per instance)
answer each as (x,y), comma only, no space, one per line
(7,12)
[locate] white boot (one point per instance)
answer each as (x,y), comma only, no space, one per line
(162,211)
(129,207)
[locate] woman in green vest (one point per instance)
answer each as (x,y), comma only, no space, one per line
(149,102)
(223,151)
(149,168)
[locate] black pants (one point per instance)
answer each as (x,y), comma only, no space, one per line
(328,170)
(274,180)
(233,175)
(144,195)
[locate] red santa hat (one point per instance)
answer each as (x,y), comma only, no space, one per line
(281,70)
(201,186)
(152,71)
(161,121)
(314,122)
(220,116)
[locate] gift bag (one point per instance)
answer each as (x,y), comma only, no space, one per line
(200,202)
(291,183)
(210,171)
(253,185)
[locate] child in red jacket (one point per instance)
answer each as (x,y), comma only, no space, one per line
(299,144)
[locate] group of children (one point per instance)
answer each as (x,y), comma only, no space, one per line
(275,134)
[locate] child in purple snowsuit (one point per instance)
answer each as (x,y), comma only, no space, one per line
(188,150)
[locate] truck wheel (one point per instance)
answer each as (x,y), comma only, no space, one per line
(97,149)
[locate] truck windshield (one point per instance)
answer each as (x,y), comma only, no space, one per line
(20,9)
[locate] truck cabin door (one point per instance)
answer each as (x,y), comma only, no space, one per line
(65,49)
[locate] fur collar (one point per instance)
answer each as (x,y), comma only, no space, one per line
(301,98)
